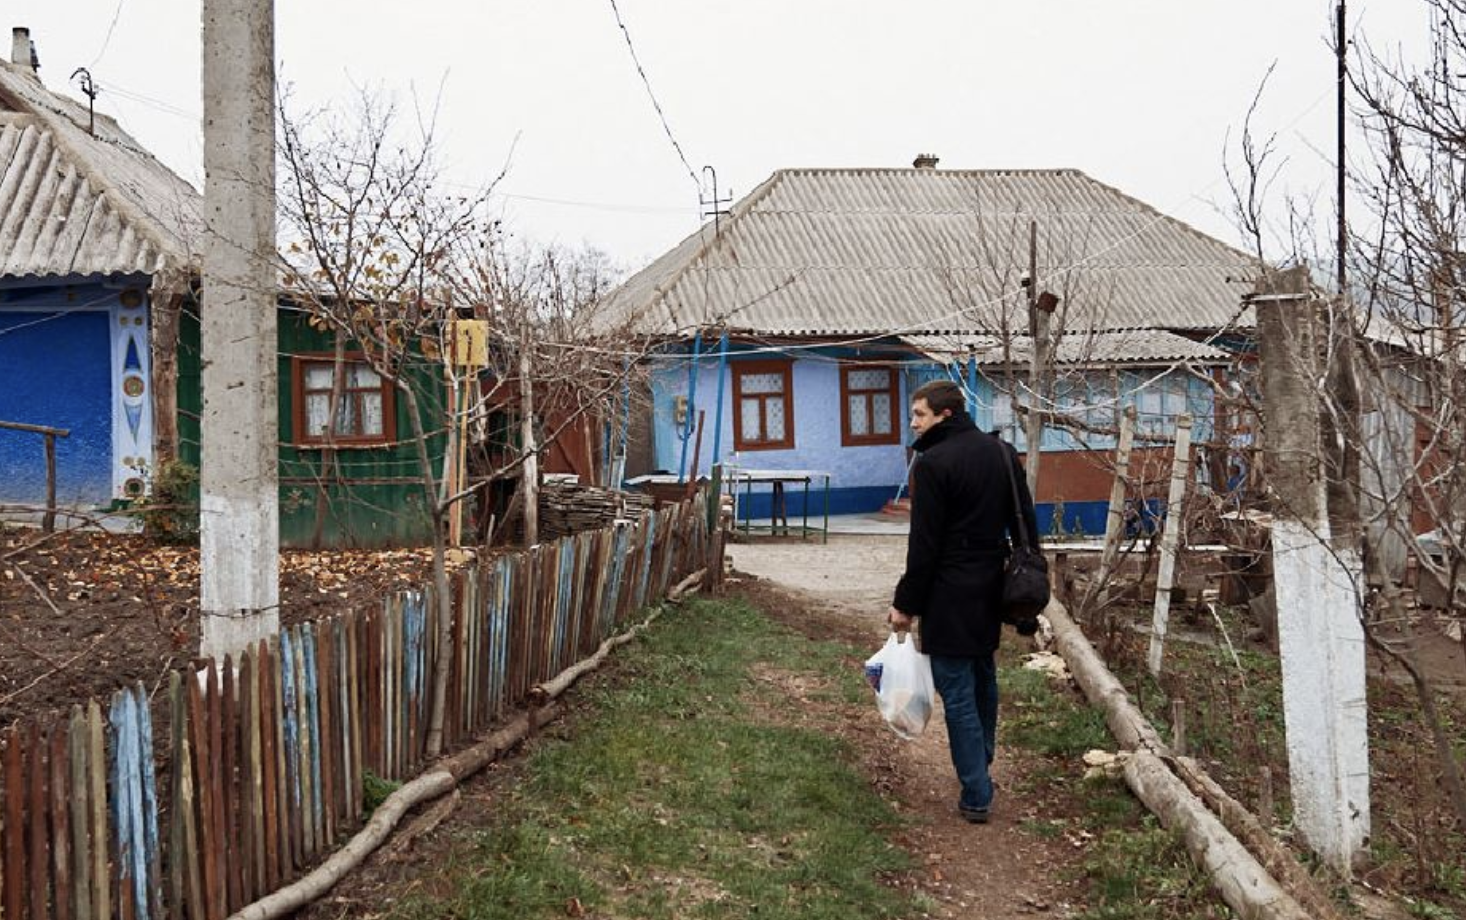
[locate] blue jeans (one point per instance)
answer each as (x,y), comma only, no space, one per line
(969,690)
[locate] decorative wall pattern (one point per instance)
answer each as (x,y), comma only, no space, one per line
(132,413)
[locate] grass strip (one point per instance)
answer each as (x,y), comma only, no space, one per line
(698,778)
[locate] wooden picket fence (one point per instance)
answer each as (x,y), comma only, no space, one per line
(262,761)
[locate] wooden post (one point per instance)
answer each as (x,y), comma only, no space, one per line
(1038,331)
(48,523)
(1178,727)
(60,822)
(1265,794)
(81,849)
(1170,540)
(14,805)
(1115,521)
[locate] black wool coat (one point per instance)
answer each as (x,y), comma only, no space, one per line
(962,511)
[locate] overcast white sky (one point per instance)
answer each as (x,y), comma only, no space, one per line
(1137,93)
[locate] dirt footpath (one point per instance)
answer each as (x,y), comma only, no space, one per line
(996,871)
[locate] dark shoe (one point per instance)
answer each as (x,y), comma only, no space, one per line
(973,815)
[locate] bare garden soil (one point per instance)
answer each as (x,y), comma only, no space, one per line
(84,613)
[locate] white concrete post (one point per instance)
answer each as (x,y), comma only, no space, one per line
(1175,525)
(1115,522)
(240,518)
(1320,636)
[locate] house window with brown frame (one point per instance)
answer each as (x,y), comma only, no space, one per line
(869,402)
(364,415)
(763,397)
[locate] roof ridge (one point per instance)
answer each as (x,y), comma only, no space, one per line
(1039,170)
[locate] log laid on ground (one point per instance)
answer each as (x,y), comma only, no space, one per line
(1243,883)
(442,779)
(1275,857)
(1127,723)
(1187,798)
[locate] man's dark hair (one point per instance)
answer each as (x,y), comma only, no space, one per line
(940,395)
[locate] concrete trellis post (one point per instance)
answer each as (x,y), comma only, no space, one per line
(1170,541)
(1320,636)
(1115,522)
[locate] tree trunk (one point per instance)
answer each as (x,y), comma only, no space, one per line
(439,704)
(168,291)
(530,470)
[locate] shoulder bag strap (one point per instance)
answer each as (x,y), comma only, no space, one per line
(1011,463)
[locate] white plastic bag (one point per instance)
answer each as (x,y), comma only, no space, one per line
(902,678)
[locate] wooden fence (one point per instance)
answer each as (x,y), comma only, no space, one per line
(262,761)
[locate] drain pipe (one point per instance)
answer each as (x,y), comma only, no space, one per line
(686,433)
(716,457)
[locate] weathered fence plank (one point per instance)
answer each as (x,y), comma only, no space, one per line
(78,788)
(268,751)
(60,824)
(15,874)
(39,858)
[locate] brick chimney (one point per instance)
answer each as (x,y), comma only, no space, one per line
(925,161)
(23,50)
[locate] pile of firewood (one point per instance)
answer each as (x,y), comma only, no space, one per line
(567,508)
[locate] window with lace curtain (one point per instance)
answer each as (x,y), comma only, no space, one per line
(364,413)
(763,397)
(869,406)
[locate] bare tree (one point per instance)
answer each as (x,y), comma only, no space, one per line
(1394,404)
(382,253)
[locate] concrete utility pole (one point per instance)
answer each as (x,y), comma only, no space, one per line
(1317,577)
(240,520)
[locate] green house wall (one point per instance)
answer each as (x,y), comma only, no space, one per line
(374,498)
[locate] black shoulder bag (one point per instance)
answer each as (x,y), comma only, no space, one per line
(1026,576)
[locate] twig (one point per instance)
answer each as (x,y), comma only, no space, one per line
(55,668)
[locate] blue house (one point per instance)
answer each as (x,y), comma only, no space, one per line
(100,339)
(93,230)
(798,325)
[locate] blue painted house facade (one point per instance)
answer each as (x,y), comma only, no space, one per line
(100,339)
(93,230)
(798,327)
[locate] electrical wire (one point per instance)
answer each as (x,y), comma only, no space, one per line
(116,15)
(645,81)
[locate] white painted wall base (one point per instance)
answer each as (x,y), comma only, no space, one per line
(1322,644)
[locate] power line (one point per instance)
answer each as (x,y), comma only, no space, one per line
(116,15)
(653,96)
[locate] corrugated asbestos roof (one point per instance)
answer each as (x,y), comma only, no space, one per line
(1132,346)
(74,203)
(893,251)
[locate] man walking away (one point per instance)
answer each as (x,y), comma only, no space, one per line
(962,510)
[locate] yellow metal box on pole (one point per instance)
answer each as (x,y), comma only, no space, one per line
(470,342)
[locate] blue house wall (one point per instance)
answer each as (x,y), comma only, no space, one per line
(864,478)
(74,355)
